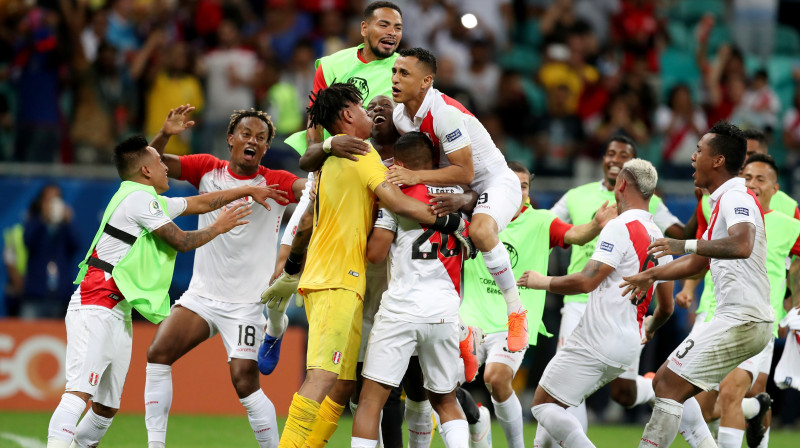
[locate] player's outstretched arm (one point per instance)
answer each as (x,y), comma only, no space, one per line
(378,245)
(446,203)
(392,198)
(584,233)
(685,296)
(661,315)
(738,244)
(344,146)
(578,283)
(684,267)
(204,203)
(183,241)
(176,122)
(459,172)
(281,288)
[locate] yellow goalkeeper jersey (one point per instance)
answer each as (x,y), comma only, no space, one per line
(342,220)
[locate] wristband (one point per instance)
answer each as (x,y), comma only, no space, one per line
(293,263)
(326,145)
(690,247)
(448,223)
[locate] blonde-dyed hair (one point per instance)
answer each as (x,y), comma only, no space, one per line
(643,174)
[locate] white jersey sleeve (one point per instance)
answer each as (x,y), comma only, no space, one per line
(144,210)
(386,220)
(663,218)
(612,244)
(560,209)
(294,221)
(736,207)
(175,206)
(449,126)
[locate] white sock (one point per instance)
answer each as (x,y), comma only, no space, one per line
(644,391)
(455,433)
(358,442)
(562,426)
(156,445)
(692,427)
(91,430)
(730,437)
(63,423)
(509,414)
(750,407)
(261,415)
(499,265)
(157,401)
(663,425)
(420,424)
(543,439)
(463,330)
(765,441)
(277,322)
(579,412)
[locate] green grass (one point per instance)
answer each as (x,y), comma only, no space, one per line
(216,431)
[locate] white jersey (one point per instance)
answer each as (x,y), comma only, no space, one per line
(741,286)
(611,325)
(451,127)
(425,267)
(236,266)
(137,212)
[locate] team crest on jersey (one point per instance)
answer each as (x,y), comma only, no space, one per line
(512,254)
(337,357)
(93,378)
(362,86)
(155,208)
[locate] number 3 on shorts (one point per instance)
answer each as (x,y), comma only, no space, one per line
(249,333)
(689,345)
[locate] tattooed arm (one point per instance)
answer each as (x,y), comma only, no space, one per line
(392,198)
(578,283)
(204,203)
(185,241)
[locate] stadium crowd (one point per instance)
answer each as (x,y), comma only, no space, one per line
(564,88)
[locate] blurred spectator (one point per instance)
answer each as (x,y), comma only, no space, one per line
(557,21)
(426,15)
(494,17)
(6,115)
(754,26)
(682,124)
(595,96)
(557,135)
(15,259)
(286,26)
(332,34)
(121,32)
(565,65)
(449,38)
(36,78)
(619,118)
(760,105)
(636,82)
(597,13)
(482,76)
(791,126)
(446,83)
(51,241)
(230,71)
(725,84)
(94,33)
(168,83)
(635,27)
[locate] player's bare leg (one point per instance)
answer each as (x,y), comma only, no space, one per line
(671,392)
(556,422)
(731,392)
(507,408)
(366,422)
(182,331)
(452,421)
(93,426)
(483,230)
(757,418)
(63,423)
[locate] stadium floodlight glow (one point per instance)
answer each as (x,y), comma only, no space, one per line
(469,21)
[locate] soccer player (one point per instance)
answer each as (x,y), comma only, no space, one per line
(734,245)
(578,206)
(333,280)
(136,228)
(228,277)
(761,176)
(782,202)
(529,237)
(423,262)
(468,156)
(607,339)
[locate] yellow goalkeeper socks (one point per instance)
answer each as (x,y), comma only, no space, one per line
(326,424)
(302,416)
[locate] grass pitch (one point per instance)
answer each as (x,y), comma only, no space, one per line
(29,430)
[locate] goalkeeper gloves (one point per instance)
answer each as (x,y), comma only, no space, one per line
(279,292)
(454,224)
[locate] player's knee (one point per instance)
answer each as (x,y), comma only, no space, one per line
(497,382)
(159,355)
(244,377)
(623,392)
(104,411)
(731,394)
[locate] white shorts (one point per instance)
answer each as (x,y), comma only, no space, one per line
(241,325)
(709,354)
(760,363)
(574,373)
(98,354)
(633,370)
(499,197)
(393,342)
(571,314)
(377,283)
(495,349)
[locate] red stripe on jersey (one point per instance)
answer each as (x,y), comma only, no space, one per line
(702,222)
(451,102)
(450,255)
(715,213)
(195,166)
(426,127)
(97,291)
(641,239)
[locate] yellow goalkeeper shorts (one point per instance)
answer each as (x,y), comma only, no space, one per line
(334,331)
